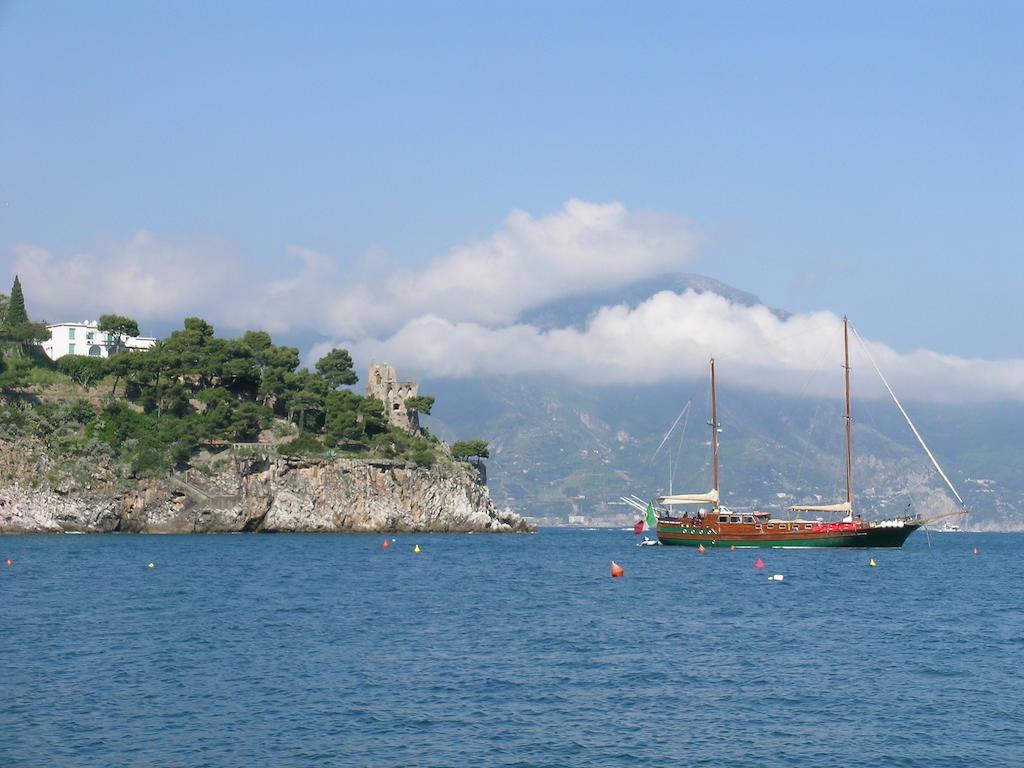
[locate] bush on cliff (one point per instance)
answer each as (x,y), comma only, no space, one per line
(466,450)
(146,443)
(303,445)
(82,369)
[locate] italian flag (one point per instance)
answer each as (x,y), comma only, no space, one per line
(647,524)
(652,519)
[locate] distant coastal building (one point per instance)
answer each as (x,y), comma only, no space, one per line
(383,384)
(85,338)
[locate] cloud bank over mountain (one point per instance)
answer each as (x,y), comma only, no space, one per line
(672,336)
(459,315)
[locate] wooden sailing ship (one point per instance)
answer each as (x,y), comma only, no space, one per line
(722,527)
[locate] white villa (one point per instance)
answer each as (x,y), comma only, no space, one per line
(85,339)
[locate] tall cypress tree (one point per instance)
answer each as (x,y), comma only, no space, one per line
(16,314)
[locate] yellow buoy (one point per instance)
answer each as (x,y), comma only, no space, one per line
(416,549)
(872,563)
(151,565)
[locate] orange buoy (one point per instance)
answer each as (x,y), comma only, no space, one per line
(700,549)
(617,570)
(386,543)
(759,563)
(10,562)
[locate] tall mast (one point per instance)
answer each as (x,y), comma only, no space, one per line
(714,424)
(849,419)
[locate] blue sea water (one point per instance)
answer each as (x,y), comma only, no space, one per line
(329,650)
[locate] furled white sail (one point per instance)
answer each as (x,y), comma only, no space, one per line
(711,497)
(844,507)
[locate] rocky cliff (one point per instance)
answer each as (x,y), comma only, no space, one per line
(252,492)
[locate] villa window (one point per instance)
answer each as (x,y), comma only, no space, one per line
(71,347)
(71,333)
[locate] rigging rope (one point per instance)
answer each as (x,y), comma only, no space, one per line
(669,433)
(679,447)
(907,417)
(865,406)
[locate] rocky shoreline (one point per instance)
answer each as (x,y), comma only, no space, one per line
(252,491)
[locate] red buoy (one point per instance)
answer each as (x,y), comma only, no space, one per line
(617,570)
(10,562)
(759,563)
(386,543)
(700,549)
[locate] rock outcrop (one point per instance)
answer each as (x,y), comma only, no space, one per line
(251,492)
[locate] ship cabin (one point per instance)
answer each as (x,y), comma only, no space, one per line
(742,520)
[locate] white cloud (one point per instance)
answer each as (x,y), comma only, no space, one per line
(147,276)
(288,303)
(529,261)
(672,336)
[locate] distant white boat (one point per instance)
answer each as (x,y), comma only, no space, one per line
(951,528)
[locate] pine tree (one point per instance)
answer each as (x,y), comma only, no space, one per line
(16,314)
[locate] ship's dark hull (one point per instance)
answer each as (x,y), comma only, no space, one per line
(862,538)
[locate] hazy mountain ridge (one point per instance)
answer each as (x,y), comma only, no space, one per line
(559,447)
(575,311)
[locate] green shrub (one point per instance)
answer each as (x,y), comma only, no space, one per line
(82,370)
(424,455)
(303,445)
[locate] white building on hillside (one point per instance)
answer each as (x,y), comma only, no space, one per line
(86,339)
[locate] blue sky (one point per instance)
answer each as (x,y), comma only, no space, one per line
(851,157)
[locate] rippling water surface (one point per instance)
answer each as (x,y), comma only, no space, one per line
(257,650)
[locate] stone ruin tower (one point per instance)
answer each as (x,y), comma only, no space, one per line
(383,384)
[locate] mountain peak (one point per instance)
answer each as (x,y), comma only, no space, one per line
(576,311)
